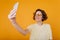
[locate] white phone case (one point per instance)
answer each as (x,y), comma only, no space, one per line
(13,11)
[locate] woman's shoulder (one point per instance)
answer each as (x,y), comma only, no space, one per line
(32,24)
(47,24)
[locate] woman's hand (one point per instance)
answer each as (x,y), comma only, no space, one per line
(13,20)
(12,14)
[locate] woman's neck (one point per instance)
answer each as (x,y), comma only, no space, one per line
(40,23)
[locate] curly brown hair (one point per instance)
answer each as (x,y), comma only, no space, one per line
(44,15)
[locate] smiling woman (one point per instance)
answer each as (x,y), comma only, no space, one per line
(38,30)
(24,18)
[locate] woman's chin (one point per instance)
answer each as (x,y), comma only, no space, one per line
(38,21)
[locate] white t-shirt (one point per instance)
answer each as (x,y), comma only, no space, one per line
(38,32)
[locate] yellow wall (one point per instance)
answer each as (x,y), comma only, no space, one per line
(24,17)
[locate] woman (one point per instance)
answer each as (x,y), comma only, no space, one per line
(38,30)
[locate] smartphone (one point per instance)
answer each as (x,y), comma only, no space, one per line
(13,11)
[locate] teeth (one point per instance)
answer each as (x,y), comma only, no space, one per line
(13,11)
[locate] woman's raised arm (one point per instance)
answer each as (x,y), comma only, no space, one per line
(12,18)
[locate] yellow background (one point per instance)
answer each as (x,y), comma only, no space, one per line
(24,17)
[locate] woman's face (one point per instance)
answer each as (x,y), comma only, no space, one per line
(38,16)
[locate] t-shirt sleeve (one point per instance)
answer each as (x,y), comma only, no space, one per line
(30,27)
(50,32)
